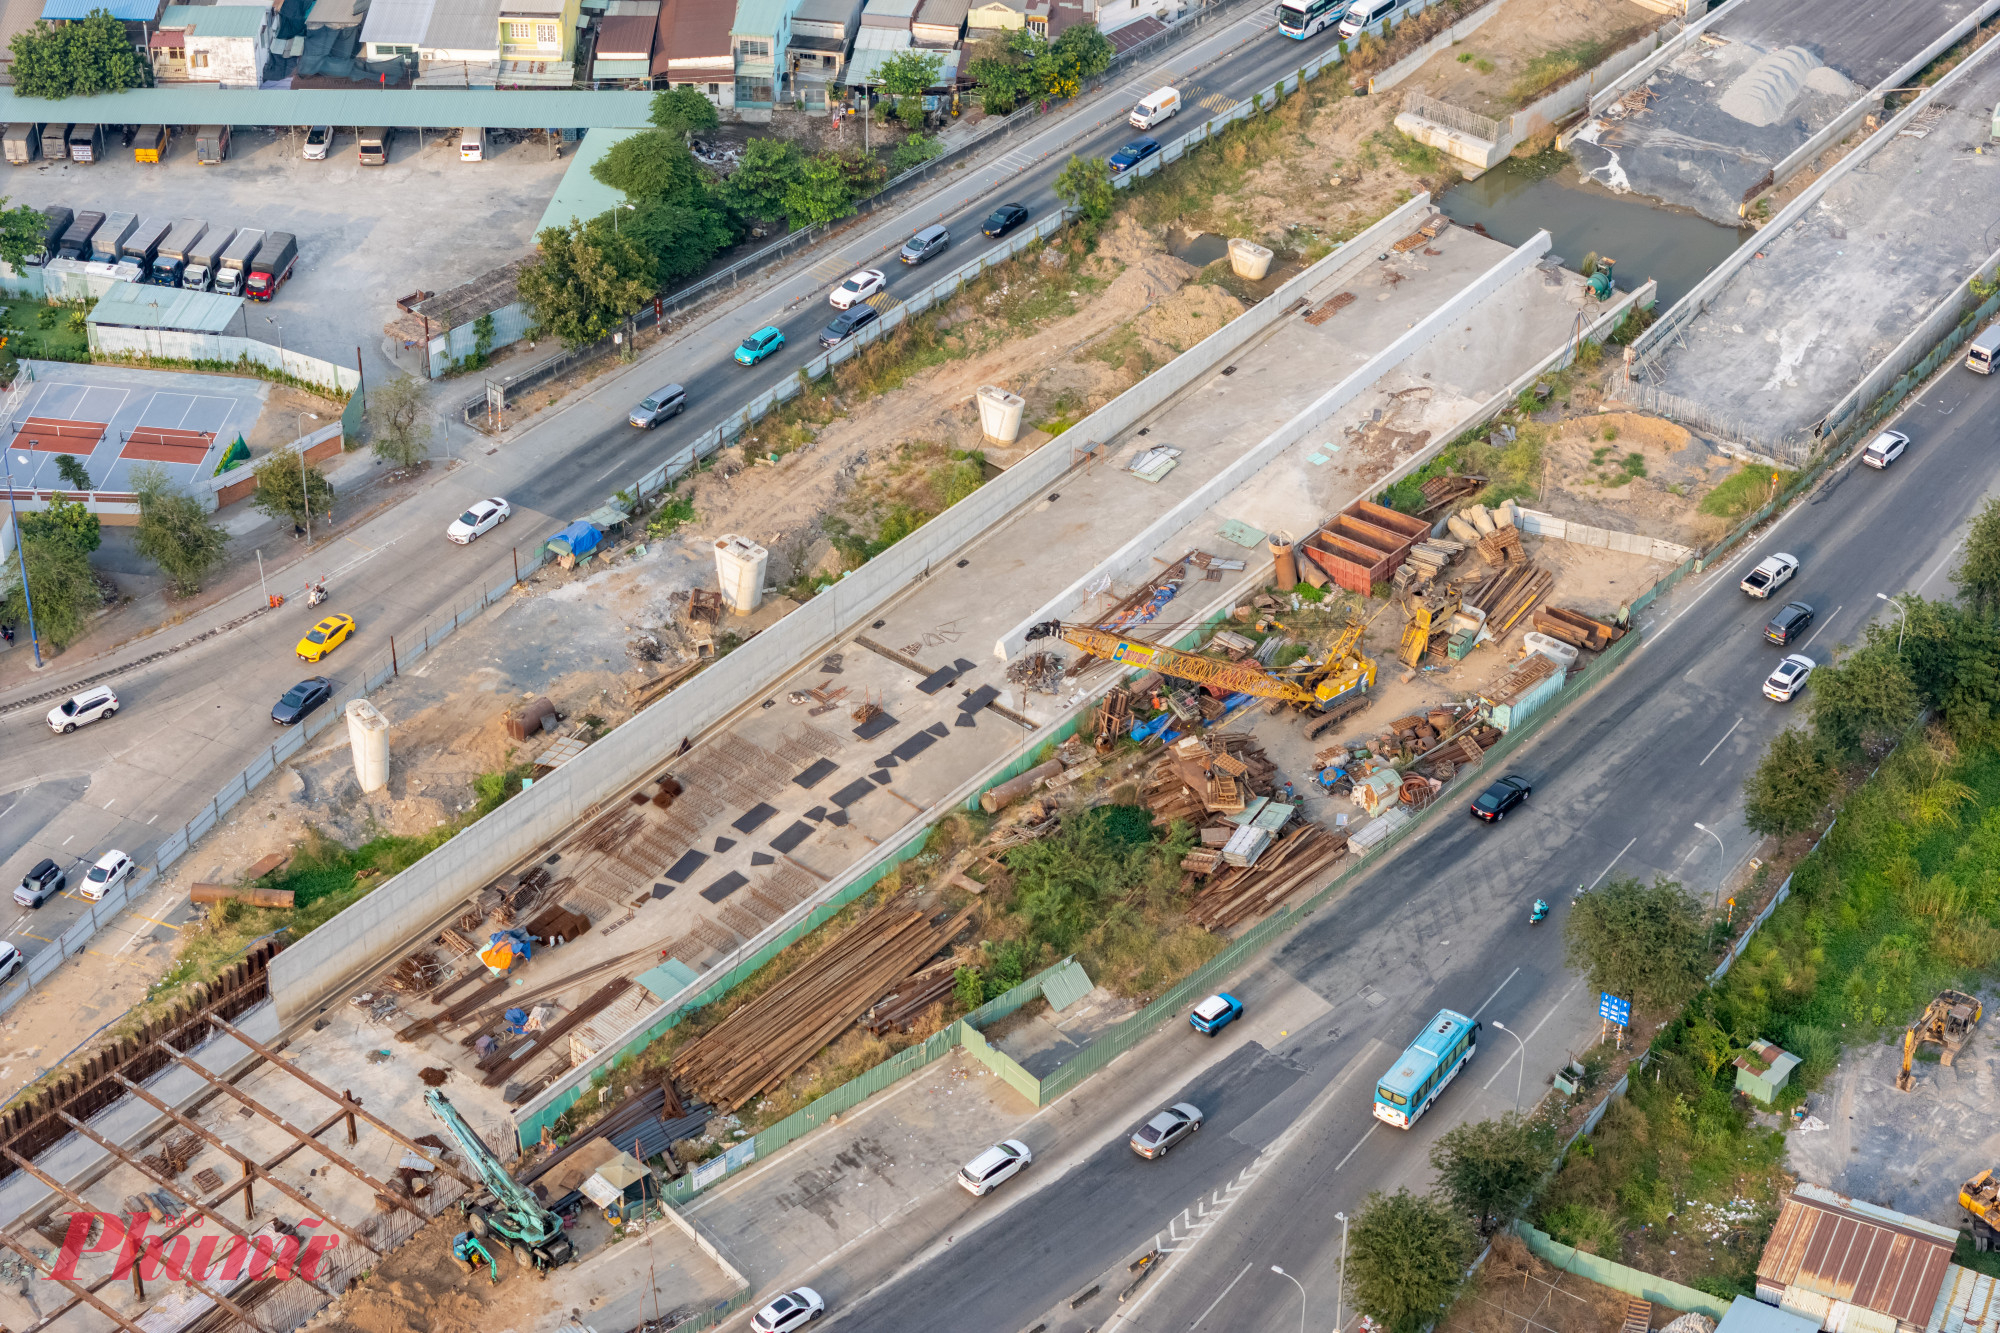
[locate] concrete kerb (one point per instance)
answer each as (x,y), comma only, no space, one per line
(1697,297)
(1639,73)
(1137,553)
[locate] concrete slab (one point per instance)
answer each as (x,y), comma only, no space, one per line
(1797,327)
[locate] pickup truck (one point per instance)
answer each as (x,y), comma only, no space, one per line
(1772,573)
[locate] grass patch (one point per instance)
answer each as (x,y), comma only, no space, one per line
(1556,66)
(1412,155)
(1744,490)
(38,329)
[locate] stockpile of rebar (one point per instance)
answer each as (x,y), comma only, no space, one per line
(1296,860)
(1041,672)
(1506,596)
(1575,628)
(1219,775)
(912,996)
(770,1037)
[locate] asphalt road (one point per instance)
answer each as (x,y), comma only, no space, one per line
(1620,782)
(188,724)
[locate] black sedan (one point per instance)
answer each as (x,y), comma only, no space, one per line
(1004,219)
(846,323)
(1789,623)
(1132,154)
(1494,803)
(301,699)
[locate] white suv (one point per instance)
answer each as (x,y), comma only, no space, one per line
(1000,1162)
(111,870)
(78,709)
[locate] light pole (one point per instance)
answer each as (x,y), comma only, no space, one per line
(273,322)
(1901,624)
(1722,867)
(1341,1290)
(622,208)
(1524,1062)
(305,490)
(21,550)
(1302,1294)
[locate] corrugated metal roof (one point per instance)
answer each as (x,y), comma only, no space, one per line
(761,17)
(627,37)
(825,11)
(699,30)
(581,196)
(464,25)
(398,22)
(862,69)
(942,13)
(1874,1260)
(1748,1316)
(132,305)
(218,20)
(1968,1304)
(196,104)
(620,69)
(132,11)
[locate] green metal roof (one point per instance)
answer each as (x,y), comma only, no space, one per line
(755,17)
(133,305)
(582,196)
(196,104)
(620,69)
(218,20)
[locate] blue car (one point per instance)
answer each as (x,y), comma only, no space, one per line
(759,345)
(1215,1013)
(1132,154)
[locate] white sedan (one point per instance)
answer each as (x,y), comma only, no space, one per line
(794,1309)
(111,870)
(482,518)
(859,287)
(1790,677)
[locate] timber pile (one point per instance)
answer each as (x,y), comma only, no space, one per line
(1430,558)
(1293,861)
(1507,595)
(1575,628)
(770,1037)
(907,1003)
(1503,547)
(1441,491)
(1219,775)
(1114,718)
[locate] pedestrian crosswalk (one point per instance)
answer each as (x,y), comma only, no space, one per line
(883,302)
(1216,103)
(833,266)
(1018,160)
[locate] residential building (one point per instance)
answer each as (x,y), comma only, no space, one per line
(996,16)
(538,42)
(691,48)
(939,23)
(225,44)
(451,43)
(822,31)
(140,17)
(1051,18)
(624,51)
(762,29)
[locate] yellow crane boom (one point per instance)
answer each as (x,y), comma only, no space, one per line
(1338,674)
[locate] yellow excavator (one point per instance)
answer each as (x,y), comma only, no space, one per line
(1947,1022)
(1333,688)
(1980,1196)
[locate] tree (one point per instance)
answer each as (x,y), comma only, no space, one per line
(681,237)
(59,581)
(1084,184)
(174,531)
(101,58)
(756,189)
(65,521)
(1869,697)
(649,165)
(1004,68)
(820,191)
(1952,655)
(1081,52)
(1405,1258)
(396,415)
(68,468)
(1978,576)
(1644,943)
(288,488)
(1490,1169)
(41,60)
(683,111)
(905,76)
(914,151)
(1791,785)
(581,282)
(21,232)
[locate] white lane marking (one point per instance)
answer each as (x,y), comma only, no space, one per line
(1612,862)
(1938,568)
(1496,992)
(1718,745)
(1822,625)
(1516,1053)
(1358,1142)
(1218,1300)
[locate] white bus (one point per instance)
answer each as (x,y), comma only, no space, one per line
(1300,19)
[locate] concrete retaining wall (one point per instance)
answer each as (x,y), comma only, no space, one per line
(1537,524)
(1450,37)
(1135,558)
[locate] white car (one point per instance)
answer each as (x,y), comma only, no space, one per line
(480,519)
(859,287)
(319,138)
(111,869)
(10,961)
(794,1309)
(1885,448)
(1000,1162)
(1789,678)
(78,709)
(1771,574)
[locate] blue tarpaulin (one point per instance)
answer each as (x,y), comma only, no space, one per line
(579,538)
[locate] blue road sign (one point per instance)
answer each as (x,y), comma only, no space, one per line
(1614,1010)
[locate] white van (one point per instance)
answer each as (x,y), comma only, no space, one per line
(472,145)
(1984,349)
(1156,108)
(1365,14)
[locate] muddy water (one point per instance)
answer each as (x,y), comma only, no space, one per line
(1200,248)
(1521,196)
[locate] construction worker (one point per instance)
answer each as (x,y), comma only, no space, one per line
(468,1249)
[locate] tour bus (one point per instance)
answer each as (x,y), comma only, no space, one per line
(1446,1046)
(1300,19)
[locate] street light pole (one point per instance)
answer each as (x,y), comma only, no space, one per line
(1524,1062)
(1902,624)
(21,550)
(1302,1294)
(1341,1291)
(1722,868)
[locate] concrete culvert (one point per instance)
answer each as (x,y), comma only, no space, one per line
(1762,94)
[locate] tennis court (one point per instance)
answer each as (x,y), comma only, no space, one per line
(114,421)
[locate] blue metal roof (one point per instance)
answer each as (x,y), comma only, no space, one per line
(197,104)
(132,11)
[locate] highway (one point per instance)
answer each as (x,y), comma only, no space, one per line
(191,722)
(1620,782)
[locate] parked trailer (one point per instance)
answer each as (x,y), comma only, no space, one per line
(86,143)
(211,144)
(151,144)
(235,264)
(76,241)
(273,264)
(104,245)
(171,257)
(55,143)
(135,254)
(56,222)
(203,258)
(23,143)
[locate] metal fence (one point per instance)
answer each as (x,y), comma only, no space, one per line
(1792,450)
(1453,117)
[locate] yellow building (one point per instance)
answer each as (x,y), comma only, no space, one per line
(538,41)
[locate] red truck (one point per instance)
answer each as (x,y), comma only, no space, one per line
(273,264)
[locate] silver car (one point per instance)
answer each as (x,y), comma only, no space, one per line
(1166,1129)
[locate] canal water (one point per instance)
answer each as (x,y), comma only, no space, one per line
(1649,240)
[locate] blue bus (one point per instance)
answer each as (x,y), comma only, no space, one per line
(1300,19)
(1446,1046)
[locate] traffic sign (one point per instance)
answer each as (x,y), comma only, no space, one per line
(1614,1010)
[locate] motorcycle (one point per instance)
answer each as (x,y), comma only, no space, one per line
(316,594)
(1541,910)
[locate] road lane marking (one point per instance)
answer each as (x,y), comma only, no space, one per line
(1519,1051)
(1822,625)
(1612,862)
(1935,571)
(1218,1300)
(1358,1142)
(1496,992)
(1717,746)
(33,936)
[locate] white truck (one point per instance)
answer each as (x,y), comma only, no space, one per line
(1772,573)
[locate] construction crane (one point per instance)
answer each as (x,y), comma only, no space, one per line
(1980,1196)
(1329,689)
(1947,1022)
(505,1210)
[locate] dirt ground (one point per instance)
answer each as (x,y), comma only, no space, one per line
(1588,481)
(1493,71)
(1514,1290)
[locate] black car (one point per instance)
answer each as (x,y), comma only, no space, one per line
(42,883)
(846,323)
(301,699)
(1494,803)
(1004,219)
(1132,154)
(1789,623)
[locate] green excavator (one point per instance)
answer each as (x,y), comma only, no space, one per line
(505,1212)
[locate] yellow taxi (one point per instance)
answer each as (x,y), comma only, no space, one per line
(325,637)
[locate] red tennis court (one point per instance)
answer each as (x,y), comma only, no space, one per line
(58,435)
(158,444)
